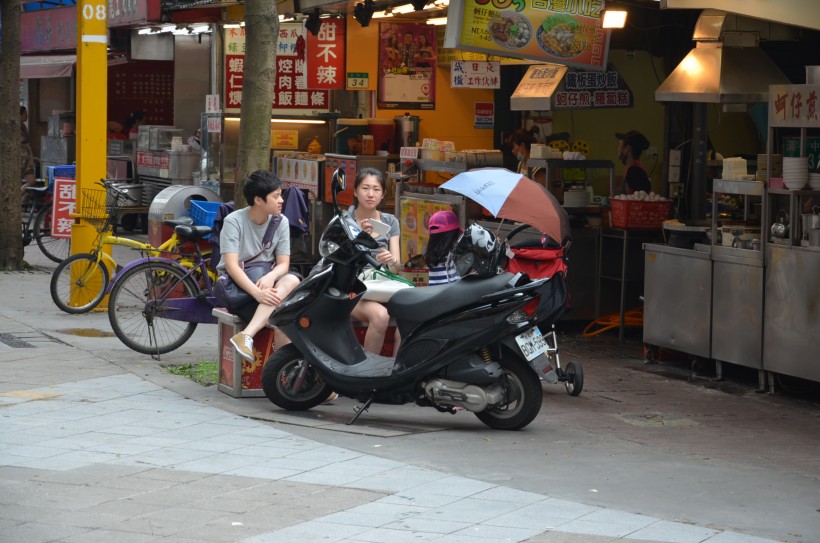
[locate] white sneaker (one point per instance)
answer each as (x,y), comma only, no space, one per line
(243,343)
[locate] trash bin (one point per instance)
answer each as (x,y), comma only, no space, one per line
(173,202)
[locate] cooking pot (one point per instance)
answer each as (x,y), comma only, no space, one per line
(780,229)
(743,242)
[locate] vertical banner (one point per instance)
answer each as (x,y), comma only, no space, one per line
(407,66)
(326,56)
(292,95)
(64,207)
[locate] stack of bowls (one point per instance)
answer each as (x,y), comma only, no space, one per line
(814,181)
(764,170)
(795,172)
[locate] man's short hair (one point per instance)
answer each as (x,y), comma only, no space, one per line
(260,183)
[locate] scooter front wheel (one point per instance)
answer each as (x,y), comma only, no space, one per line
(523,395)
(290,382)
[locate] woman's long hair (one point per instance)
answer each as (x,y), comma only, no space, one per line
(439,246)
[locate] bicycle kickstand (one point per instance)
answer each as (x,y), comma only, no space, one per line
(152,335)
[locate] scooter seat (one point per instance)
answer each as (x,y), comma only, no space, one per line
(427,303)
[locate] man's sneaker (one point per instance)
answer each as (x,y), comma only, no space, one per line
(243,343)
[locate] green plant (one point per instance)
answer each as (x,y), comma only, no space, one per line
(205,372)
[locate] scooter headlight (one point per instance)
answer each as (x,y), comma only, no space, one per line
(327,247)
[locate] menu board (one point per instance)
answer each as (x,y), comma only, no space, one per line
(568,33)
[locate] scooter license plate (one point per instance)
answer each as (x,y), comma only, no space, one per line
(531,343)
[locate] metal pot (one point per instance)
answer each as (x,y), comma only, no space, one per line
(780,229)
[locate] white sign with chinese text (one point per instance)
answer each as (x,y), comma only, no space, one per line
(475,74)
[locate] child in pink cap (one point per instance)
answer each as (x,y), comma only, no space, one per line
(444,230)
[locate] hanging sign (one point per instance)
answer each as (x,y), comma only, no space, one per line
(536,88)
(48,30)
(64,207)
(326,56)
(475,74)
(543,30)
(592,89)
(291,93)
(284,139)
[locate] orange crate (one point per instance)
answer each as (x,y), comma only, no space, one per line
(639,214)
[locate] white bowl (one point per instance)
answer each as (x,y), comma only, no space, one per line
(794,184)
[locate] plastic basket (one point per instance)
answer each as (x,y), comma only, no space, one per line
(63,172)
(639,214)
(203,213)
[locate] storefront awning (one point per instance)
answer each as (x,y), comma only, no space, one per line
(45,66)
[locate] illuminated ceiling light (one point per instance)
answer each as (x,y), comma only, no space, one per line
(235,25)
(400,10)
(363,12)
(614,18)
(314,21)
(382,14)
(437,21)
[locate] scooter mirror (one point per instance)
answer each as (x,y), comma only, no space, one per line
(338,181)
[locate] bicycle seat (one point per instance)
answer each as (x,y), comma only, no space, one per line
(37,190)
(191,232)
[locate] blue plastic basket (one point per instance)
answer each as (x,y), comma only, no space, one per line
(203,213)
(63,172)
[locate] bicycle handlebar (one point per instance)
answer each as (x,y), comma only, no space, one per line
(118,192)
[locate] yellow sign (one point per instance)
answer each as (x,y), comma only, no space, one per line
(569,33)
(284,139)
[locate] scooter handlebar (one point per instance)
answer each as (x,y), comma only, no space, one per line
(372,261)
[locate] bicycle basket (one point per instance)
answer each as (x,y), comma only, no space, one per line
(94,209)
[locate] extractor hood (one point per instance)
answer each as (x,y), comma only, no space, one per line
(726,65)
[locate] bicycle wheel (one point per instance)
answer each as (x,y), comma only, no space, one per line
(78,283)
(56,249)
(137,309)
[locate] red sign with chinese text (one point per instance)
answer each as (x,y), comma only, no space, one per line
(48,30)
(127,12)
(291,91)
(64,207)
(325,56)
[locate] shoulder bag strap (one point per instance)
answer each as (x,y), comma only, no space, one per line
(267,238)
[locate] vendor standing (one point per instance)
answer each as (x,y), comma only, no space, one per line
(630,147)
(521,141)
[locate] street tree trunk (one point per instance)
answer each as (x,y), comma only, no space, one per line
(11,240)
(261,39)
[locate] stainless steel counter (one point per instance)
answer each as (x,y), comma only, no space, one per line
(791,328)
(678,299)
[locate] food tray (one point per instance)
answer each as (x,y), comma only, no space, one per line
(639,214)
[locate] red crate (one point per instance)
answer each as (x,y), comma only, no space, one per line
(639,214)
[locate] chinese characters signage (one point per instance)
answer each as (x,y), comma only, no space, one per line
(407,66)
(300,62)
(794,105)
(538,84)
(475,74)
(48,30)
(592,89)
(562,31)
(484,115)
(65,204)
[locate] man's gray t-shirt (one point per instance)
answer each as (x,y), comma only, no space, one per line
(242,236)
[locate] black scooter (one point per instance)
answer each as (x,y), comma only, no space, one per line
(472,344)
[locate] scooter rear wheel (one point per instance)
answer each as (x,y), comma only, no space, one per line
(524,396)
(291,383)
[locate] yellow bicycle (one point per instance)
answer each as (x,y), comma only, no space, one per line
(81,281)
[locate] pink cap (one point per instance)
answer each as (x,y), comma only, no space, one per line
(443,221)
